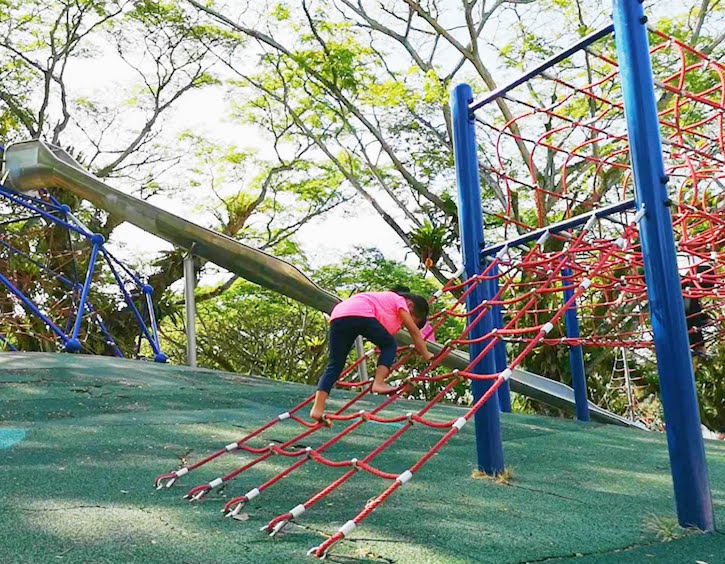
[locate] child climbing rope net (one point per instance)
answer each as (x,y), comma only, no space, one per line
(577,168)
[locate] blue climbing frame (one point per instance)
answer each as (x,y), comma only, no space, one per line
(52,211)
(677,385)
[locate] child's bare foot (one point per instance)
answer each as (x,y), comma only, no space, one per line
(383,388)
(319,416)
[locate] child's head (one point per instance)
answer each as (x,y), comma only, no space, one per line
(418,307)
(400,289)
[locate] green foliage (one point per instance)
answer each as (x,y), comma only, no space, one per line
(251,330)
(710,386)
(429,242)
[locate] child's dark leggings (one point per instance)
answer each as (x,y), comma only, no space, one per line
(343,332)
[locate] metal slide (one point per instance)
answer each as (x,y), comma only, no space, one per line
(32,165)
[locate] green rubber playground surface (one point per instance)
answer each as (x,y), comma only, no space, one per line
(82,438)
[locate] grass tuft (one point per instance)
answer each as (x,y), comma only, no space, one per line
(665,529)
(503,478)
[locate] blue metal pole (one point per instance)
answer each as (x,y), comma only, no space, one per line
(155,343)
(488,430)
(499,351)
(560,56)
(606,211)
(73,344)
(137,314)
(33,308)
(576,356)
(674,364)
(8,344)
(109,339)
(49,216)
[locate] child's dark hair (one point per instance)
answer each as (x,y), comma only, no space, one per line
(420,307)
(400,289)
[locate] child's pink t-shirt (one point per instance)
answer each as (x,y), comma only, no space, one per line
(383,306)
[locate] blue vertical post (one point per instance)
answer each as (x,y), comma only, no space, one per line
(488,429)
(154,342)
(73,344)
(576,356)
(674,364)
(499,352)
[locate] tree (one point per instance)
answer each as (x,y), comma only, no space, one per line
(122,134)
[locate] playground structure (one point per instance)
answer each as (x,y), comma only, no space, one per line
(592,257)
(34,165)
(70,315)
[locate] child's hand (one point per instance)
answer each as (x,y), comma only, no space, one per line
(428,356)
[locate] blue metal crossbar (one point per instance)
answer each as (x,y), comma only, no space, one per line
(558,227)
(565,54)
(8,344)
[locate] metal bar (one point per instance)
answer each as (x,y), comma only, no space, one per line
(129,300)
(109,338)
(8,344)
(560,226)
(4,190)
(672,348)
(73,344)
(576,356)
(155,342)
(565,54)
(488,428)
(499,351)
(189,287)
(42,212)
(32,307)
(40,265)
(110,258)
(362,368)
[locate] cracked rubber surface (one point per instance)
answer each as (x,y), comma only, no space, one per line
(78,487)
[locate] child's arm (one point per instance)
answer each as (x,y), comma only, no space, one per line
(418,341)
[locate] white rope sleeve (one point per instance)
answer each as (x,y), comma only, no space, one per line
(283,416)
(502,252)
(590,222)
(404,477)
(179,473)
(585,283)
(459,423)
(251,494)
(542,239)
(547,327)
(640,214)
(216,483)
(506,374)
(297,511)
(230,447)
(347,528)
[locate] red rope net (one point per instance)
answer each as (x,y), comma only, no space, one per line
(579,163)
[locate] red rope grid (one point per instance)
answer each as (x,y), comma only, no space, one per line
(584,155)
